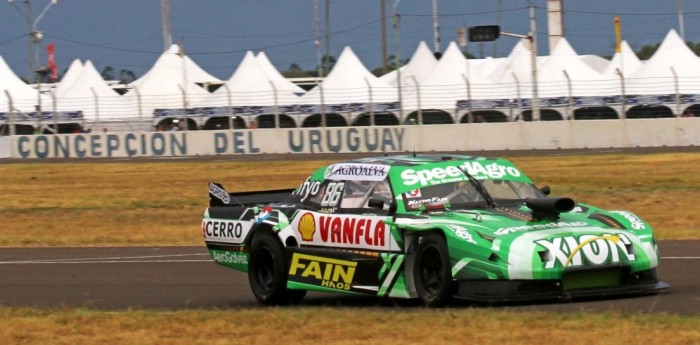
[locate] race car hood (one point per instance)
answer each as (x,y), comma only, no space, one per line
(516,246)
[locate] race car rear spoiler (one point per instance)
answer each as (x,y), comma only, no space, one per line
(218,196)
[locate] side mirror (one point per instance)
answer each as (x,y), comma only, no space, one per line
(546,190)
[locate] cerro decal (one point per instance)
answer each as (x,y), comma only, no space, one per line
(634,221)
(307,227)
(308,188)
(221,229)
(352,230)
(452,173)
(586,249)
(330,273)
(230,258)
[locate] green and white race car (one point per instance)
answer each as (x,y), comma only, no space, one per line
(427,227)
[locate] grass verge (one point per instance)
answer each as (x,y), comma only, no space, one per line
(161,203)
(342,326)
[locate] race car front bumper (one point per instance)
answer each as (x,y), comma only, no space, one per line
(574,284)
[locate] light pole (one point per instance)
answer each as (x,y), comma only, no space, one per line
(34,35)
(397,54)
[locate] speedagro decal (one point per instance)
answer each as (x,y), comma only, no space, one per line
(357,172)
(326,272)
(573,251)
(556,225)
(439,175)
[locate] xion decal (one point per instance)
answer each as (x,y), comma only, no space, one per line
(586,249)
(327,272)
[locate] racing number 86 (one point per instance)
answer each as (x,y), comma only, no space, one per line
(333,192)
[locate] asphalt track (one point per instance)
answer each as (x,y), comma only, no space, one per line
(175,278)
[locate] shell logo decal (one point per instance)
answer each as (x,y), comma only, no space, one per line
(307,227)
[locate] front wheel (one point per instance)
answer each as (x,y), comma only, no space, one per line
(431,271)
(267,272)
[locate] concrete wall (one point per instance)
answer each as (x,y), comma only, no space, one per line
(455,137)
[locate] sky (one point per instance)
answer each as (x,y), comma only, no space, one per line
(216,34)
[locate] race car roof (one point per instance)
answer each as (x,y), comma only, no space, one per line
(414,160)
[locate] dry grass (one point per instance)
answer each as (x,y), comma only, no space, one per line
(160,203)
(146,203)
(342,326)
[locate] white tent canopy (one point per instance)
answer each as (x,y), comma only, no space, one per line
(254,84)
(169,84)
(625,61)
(350,82)
(71,75)
(447,84)
(563,73)
(420,65)
(91,94)
(24,97)
(673,68)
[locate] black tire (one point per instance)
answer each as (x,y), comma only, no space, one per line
(432,273)
(267,272)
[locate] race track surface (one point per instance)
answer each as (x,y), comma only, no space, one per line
(116,278)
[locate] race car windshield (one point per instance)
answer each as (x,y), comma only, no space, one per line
(465,194)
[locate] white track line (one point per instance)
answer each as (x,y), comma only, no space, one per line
(134,259)
(111,259)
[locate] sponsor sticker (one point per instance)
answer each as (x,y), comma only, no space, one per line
(230,257)
(462,233)
(357,172)
(219,193)
(224,230)
(345,231)
(635,222)
(452,173)
(264,214)
(308,188)
(554,225)
(326,272)
(414,193)
(572,251)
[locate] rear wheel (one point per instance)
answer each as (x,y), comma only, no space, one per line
(431,271)
(267,272)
